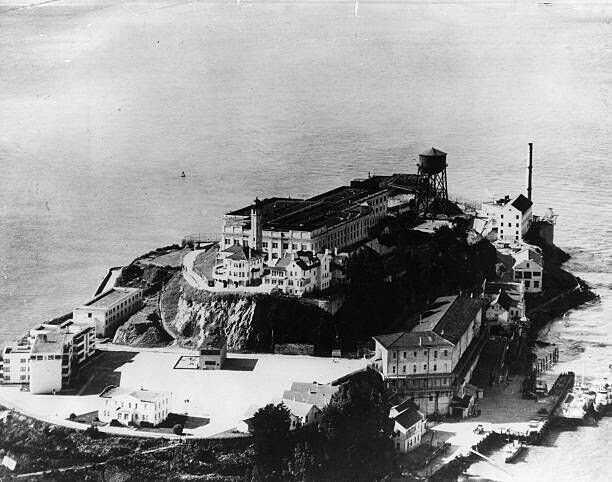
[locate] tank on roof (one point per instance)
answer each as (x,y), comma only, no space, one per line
(432,161)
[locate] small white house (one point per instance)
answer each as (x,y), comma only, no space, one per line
(302,414)
(300,272)
(528,268)
(409,426)
(133,407)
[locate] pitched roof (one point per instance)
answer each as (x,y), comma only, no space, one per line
(143,395)
(408,417)
(314,393)
(522,203)
(433,152)
(528,254)
(242,253)
(411,339)
(299,409)
(449,317)
(503,300)
(408,403)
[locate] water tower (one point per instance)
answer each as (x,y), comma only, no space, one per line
(432,194)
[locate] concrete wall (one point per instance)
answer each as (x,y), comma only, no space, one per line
(45,374)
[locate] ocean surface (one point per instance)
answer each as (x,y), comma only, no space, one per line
(103,103)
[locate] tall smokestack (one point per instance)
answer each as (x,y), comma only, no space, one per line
(529,170)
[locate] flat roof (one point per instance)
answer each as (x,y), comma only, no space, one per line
(54,345)
(110,297)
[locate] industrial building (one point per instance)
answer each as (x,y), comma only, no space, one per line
(109,310)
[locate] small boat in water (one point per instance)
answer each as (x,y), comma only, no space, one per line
(513,450)
(603,397)
(574,407)
(183,174)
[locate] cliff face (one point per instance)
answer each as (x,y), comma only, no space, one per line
(248,322)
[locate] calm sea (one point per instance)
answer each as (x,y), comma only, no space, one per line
(103,103)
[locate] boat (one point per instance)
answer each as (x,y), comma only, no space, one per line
(574,406)
(513,450)
(587,393)
(183,174)
(603,397)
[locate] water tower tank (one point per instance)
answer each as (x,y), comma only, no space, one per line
(432,161)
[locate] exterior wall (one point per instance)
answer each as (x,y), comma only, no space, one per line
(212,359)
(127,409)
(497,313)
(278,243)
(298,421)
(530,273)
(239,272)
(45,373)
(513,224)
(16,364)
(407,440)
(108,319)
(294,280)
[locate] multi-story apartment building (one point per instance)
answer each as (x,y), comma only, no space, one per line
(434,361)
(109,310)
(48,356)
(133,407)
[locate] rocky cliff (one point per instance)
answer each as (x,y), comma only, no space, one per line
(248,322)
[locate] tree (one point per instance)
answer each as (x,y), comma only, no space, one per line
(357,429)
(177,429)
(271,435)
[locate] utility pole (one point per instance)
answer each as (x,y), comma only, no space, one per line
(529,170)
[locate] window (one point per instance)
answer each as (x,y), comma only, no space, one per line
(404,369)
(285,245)
(445,352)
(264,244)
(425,366)
(275,245)
(413,368)
(393,369)
(404,354)
(435,353)
(536,284)
(527,284)
(517,217)
(435,368)
(88,315)
(393,355)
(294,246)
(424,352)
(502,224)
(227,241)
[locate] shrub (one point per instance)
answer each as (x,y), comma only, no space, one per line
(92,432)
(115,423)
(177,429)
(72,416)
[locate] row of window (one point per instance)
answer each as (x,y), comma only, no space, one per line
(414,368)
(435,353)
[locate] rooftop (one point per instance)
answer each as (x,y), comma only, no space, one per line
(411,339)
(408,417)
(242,253)
(528,254)
(449,317)
(110,298)
(143,395)
(299,409)
(522,203)
(313,393)
(47,344)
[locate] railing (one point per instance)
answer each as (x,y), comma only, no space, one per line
(202,238)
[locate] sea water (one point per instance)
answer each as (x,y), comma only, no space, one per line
(104,103)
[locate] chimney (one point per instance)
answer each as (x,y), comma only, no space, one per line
(529,170)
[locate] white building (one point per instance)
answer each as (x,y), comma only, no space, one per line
(335,219)
(48,356)
(318,394)
(433,362)
(239,265)
(515,309)
(133,407)
(528,268)
(300,272)
(409,426)
(514,219)
(109,310)
(212,354)
(302,414)
(510,218)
